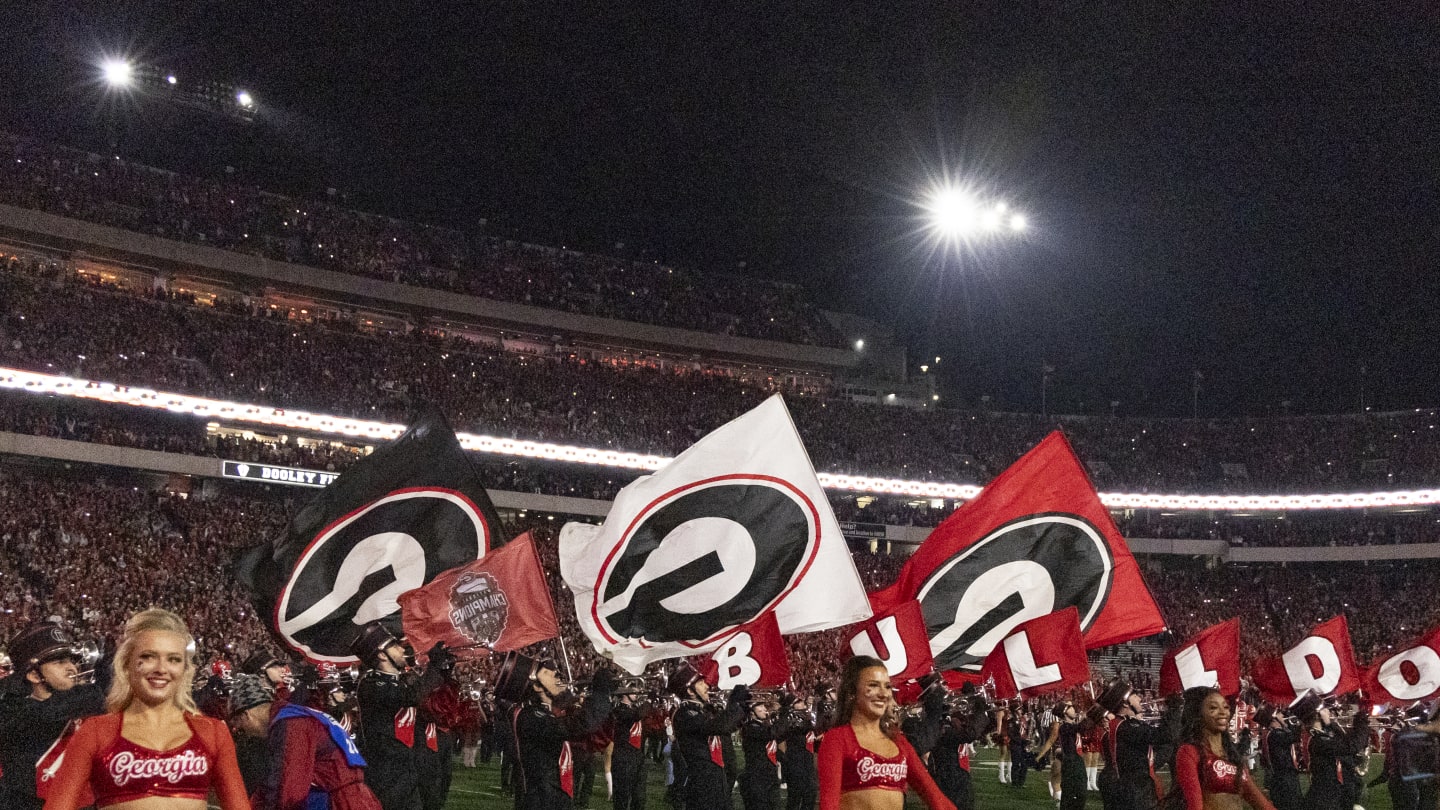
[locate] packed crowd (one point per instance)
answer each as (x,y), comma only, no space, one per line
(52,321)
(92,547)
(236,217)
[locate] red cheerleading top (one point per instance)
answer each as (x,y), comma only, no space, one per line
(1200,773)
(118,770)
(845,766)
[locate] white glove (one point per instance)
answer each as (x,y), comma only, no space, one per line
(609,786)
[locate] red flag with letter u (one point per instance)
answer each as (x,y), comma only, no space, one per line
(1323,663)
(1210,658)
(1411,673)
(896,637)
(1039,656)
(1036,540)
(500,602)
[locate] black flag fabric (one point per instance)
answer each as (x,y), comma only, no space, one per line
(412,509)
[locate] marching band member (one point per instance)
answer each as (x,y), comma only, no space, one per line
(760,781)
(625,766)
(1278,740)
(1327,746)
(389,700)
(865,764)
(1002,740)
(545,772)
(1131,750)
(153,750)
(1209,771)
(950,760)
(699,728)
(1065,740)
(802,780)
(38,700)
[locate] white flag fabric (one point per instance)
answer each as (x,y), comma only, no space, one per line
(733,527)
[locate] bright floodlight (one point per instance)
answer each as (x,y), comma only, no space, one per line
(959,214)
(244,99)
(117,72)
(171,79)
(953,212)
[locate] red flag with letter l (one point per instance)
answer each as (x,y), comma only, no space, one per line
(897,638)
(1323,663)
(499,602)
(1039,656)
(1210,658)
(753,656)
(1412,673)
(1036,540)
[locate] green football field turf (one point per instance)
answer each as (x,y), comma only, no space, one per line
(478,789)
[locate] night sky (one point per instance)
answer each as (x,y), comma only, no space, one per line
(1245,190)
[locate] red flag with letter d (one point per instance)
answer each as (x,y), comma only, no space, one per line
(1412,673)
(1323,663)
(1036,540)
(1210,658)
(1039,656)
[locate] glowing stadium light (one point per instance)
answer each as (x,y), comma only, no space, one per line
(244,99)
(957,214)
(118,73)
(860,345)
(171,80)
(214,410)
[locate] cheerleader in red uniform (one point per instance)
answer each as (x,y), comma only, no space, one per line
(865,762)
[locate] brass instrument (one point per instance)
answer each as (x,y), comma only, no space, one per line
(87,654)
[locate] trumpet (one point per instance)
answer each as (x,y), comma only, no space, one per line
(87,654)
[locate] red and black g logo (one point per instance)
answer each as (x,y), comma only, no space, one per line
(1021,570)
(705,558)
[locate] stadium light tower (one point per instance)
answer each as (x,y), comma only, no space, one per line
(118,73)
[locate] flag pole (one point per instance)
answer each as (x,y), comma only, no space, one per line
(565,654)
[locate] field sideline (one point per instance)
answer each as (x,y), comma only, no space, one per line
(478,789)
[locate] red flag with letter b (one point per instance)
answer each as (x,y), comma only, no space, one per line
(897,638)
(1323,663)
(753,656)
(499,602)
(1038,657)
(1036,540)
(1412,673)
(1210,658)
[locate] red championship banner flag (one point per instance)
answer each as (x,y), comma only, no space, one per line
(499,602)
(1210,658)
(1036,540)
(735,527)
(1411,673)
(1039,656)
(896,637)
(1323,663)
(753,656)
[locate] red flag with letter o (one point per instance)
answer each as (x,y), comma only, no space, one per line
(1323,663)
(896,637)
(1036,540)
(1412,673)
(753,656)
(1039,656)
(1210,658)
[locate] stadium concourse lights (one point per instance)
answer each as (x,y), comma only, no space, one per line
(958,214)
(213,409)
